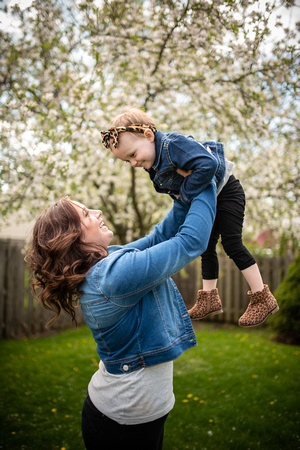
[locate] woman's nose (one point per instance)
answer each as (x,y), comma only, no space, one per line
(96,212)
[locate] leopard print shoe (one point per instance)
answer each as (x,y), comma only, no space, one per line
(262,304)
(208,302)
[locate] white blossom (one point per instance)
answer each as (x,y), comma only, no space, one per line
(203,68)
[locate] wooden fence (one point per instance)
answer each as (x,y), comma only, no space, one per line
(21,315)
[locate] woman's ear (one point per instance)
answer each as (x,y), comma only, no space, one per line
(149,135)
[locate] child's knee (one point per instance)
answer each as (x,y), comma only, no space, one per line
(233,246)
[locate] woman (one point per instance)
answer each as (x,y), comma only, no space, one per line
(132,306)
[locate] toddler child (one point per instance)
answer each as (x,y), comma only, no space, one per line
(182,167)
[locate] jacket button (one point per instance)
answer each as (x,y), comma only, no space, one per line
(125,367)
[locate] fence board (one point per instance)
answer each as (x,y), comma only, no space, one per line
(236,295)
(2,286)
(20,314)
(265,271)
(227,292)
(189,281)
(10,294)
(276,271)
(30,313)
(19,270)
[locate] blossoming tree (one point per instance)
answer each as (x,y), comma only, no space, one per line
(211,69)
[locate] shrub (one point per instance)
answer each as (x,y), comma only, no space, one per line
(287,321)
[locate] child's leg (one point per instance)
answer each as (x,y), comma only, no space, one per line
(231,209)
(253,277)
(208,300)
(208,285)
(209,259)
(231,216)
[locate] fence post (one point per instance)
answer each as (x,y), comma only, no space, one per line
(3,287)
(15,290)
(188,281)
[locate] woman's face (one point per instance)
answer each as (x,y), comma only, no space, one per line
(93,228)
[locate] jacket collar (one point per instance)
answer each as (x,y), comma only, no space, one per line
(159,139)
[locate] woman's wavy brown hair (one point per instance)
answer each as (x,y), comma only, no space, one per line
(59,259)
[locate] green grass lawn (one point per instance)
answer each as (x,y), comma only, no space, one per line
(236,390)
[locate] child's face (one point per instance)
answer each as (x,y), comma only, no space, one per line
(137,149)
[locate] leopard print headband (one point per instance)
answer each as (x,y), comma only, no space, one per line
(113,133)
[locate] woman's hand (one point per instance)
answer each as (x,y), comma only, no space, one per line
(184,173)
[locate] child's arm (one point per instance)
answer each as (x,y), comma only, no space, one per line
(192,157)
(186,173)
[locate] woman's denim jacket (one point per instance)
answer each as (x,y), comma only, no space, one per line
(174,150)
(132,306)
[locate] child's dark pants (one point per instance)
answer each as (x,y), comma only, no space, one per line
(229,224)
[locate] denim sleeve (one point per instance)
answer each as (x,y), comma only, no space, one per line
(189,154)
(165,229)
(125,277)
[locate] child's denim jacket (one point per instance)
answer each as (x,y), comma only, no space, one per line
(174,150)
(132,306)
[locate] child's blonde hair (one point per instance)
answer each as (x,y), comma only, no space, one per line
(132,115)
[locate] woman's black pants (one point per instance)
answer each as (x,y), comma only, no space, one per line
(101,433)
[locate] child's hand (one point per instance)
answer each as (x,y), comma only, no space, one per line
(184,173)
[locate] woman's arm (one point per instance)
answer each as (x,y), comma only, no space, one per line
(126,276)
(168,227)
(163,230)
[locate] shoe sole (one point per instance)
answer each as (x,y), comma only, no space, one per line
(259,323)
(213,313)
